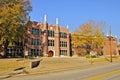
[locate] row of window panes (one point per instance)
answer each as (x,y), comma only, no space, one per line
(50,33)
(63,35)
(35,52)
(50,42)
(63,52)
(18,52)
(36,31)
(63,44)
(36,41)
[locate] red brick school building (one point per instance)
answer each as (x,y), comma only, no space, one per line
(50,40)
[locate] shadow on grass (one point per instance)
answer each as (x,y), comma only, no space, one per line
(23,70)
(19,68)
(5,77)
(18,71)
(107,59)
(19,59)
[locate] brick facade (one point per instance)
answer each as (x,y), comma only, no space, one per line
(47,40)
(110,46)
(51,40)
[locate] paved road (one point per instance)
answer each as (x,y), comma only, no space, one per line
(106,72)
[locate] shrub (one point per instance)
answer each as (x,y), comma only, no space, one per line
(90,56)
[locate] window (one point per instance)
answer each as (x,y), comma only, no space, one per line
(40,31)
(36,41)
(50,33)
(63,52)
(63,44)
(33,31)
(35,52)
(63,35)
(50,42)
(36,31)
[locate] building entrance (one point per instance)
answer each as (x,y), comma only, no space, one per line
(50,53)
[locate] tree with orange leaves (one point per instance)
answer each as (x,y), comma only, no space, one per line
(89,36)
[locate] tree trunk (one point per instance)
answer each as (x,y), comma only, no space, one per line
(6,42)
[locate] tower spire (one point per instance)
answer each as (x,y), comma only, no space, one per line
(57,21)
(45,18)
(110,31)
(67,26)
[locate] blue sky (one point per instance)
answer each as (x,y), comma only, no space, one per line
(77,12)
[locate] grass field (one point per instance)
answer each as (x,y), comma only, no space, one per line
(12,64)
(51,64)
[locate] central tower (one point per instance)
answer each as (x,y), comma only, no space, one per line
(57,39)
(45,37)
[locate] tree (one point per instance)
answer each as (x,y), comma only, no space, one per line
(89,36)
(13,21)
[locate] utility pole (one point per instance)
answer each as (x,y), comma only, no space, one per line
(110,38)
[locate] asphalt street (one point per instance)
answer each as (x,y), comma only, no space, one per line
(106,72)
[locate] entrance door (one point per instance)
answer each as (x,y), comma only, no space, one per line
(50,54)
